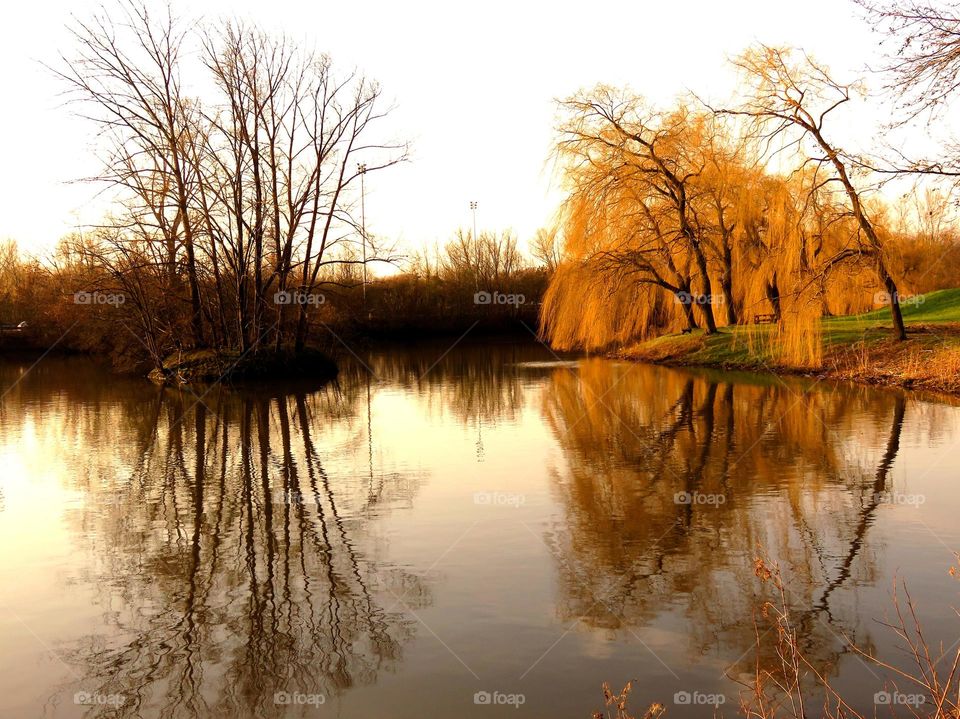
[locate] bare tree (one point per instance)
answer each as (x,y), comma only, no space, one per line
(483,261)
(127,72)
(923,68)
(248,192)
(922,72)
(346,112)
(547,248)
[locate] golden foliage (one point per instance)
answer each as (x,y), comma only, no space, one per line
(671,222)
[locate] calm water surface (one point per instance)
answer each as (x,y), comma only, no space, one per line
(483,519)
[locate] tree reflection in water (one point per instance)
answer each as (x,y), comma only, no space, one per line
(238,566)
(674,481)
(238,549)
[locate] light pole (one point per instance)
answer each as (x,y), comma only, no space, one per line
(476,245)
(362,169)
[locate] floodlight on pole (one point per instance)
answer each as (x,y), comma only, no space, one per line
(362,169)
(476,244)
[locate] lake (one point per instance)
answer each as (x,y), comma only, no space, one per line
(477,531)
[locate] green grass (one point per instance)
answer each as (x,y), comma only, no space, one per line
(732,346)
(940,307)
(934,308)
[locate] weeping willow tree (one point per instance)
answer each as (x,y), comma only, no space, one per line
(658,221)
(672,221)
(584,307)
(629,228)
(803,262)
(789,99)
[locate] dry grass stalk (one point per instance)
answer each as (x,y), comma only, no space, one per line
(784,689)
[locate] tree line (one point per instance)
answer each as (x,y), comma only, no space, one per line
(481,284)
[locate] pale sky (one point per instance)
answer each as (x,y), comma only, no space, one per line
(474,84)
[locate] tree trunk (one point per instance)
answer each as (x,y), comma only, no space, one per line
(874,240)
(688,313)
(773,297)
(726,284)
(242,324)
(898,327)
(301,337)
(687,306)
(706,306)
(708,317)
(196,311)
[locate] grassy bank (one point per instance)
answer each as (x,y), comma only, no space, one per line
(856,347)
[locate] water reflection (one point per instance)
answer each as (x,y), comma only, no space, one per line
(247,543)
(471,384)
(232,564)
(674,482)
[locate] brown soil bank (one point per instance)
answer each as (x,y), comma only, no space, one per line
(210,365)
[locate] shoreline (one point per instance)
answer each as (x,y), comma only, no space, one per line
(926,362)
(213,365)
